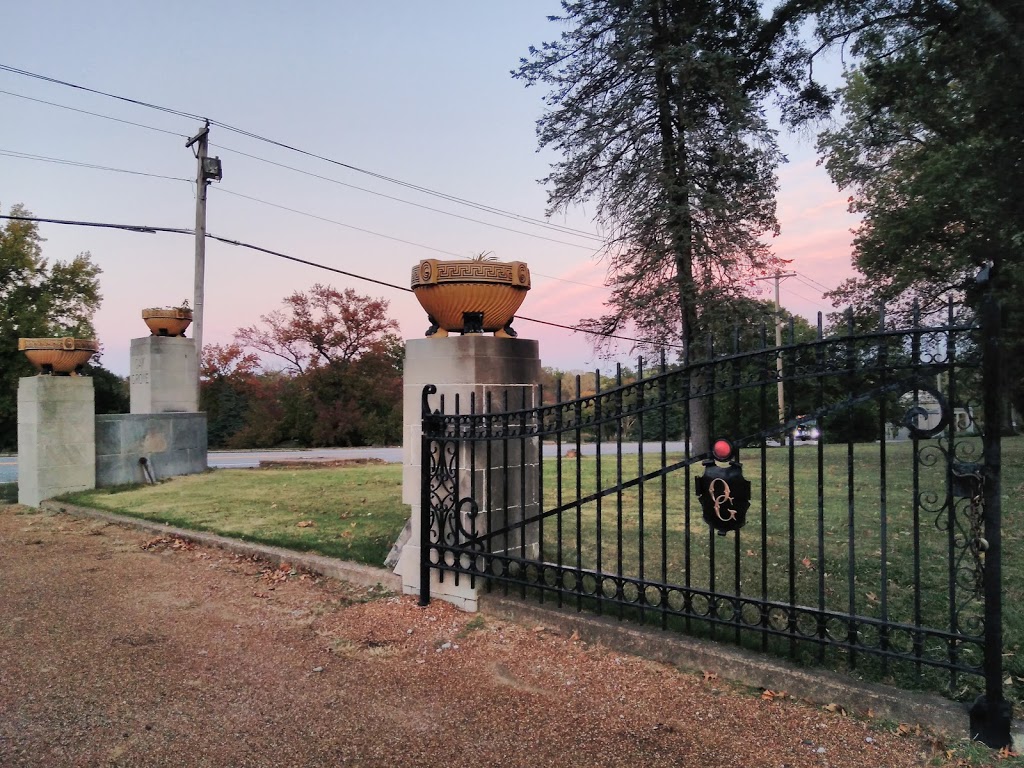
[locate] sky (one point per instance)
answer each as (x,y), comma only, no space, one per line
(418,92)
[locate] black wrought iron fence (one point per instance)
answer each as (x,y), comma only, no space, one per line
(850,516)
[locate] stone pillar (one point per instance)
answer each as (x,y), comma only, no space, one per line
(56,437)
(480,366)
(164,374)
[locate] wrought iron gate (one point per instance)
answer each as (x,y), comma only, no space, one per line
(860,527)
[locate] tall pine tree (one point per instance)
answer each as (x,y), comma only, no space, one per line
(657,109)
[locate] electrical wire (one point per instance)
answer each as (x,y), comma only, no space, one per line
(334,221)
(379,234)
(55,81)
(283,145)
(402,200)
(805,298)
(94,114)
(101,225)
(307,262)
(92,166)
(279,254)
(811,282)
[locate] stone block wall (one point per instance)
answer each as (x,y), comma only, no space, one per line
(172,444)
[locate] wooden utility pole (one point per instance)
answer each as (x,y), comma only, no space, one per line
(207,169)
(777,277)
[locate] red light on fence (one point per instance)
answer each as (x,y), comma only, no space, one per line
(722,450)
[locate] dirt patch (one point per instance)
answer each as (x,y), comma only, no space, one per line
(318,463)
(119,649)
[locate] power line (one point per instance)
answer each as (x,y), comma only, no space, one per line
(250,246)
(92,166)
(101,225)
(546,225)
(805,298)
(94,114)
(410,202)
(335,221)
(406,184)
(55,81)
(377,234)
(812,283)
(279,254)
(577,329)
(317,265)
(292,148)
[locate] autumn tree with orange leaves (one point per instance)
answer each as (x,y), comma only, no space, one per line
(340,383)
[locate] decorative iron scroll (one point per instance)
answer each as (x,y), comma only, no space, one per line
(916,412)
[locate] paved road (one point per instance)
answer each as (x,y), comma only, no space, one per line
(8,469)
(243,459)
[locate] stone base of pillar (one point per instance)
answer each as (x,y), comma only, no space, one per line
(56,437)
(164,374)
(463,367)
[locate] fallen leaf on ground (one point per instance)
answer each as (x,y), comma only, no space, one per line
(709,676)
(769,695)
(836,708)
(306,524)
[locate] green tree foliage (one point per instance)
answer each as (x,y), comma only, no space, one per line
(931,149)
(112,391)
(37,299)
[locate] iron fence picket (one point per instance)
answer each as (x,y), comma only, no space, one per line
(847,387)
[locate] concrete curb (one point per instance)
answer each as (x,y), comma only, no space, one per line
(355,573)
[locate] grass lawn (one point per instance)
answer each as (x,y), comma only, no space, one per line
(353,513)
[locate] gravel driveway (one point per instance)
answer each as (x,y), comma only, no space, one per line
(117,649)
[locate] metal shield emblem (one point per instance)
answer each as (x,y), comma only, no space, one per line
(724,495)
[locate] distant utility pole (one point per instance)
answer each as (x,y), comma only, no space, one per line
(207,169)
(778,277)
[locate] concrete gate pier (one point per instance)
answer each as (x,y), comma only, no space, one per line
(56,437)
(164,375)
(464,366)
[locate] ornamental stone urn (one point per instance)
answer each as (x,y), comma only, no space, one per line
(64,357)
(480,295)
(168,321)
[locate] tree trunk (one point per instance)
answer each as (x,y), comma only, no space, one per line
(674,158)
